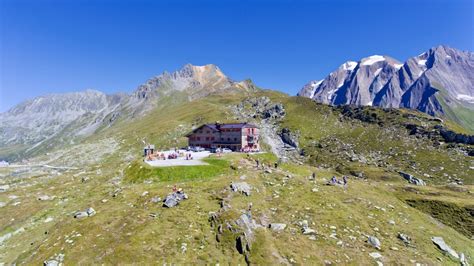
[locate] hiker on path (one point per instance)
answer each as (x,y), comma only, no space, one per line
(258,163)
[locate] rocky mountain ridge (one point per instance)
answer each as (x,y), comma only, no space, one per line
(68,116)
(439,82)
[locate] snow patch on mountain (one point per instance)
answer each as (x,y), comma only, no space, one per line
(466,98)
(422,62)
(377,72)
(372,60)
(398,66)
(349,65)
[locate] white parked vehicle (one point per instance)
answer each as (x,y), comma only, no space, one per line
(226,150)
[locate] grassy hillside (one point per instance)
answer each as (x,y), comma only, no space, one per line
(108,174)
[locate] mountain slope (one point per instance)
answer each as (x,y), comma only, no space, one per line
(438,82)
(38,125)
(107,173)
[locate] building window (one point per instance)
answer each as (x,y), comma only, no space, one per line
(208,132)
(212,138)
(198,138)
(235,139)
(207,138)
(228,139)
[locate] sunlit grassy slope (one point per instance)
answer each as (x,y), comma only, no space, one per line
(129,228)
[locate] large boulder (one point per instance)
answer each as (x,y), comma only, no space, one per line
(83,214)
(277,227)
(374,242)
(439,242)
(241,187)
(174,198)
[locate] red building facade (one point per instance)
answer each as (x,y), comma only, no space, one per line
(237,136)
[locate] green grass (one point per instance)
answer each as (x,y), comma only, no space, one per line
(139,171)
(123,232)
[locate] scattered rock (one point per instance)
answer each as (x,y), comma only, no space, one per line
(174,198)
(439,242)
(2,204)
(184,247)
(375,255)
(391,222)
(413,180)
(4,188)
(406,239)
(155,199)
(144,193)
(45,198)
(277,227)
(241,187)
(308,231)
(90,211)
(56,260)
(373,241)
(87,213)
(463,260)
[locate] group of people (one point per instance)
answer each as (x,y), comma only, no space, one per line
(334,181)
(248,150)
(170,156)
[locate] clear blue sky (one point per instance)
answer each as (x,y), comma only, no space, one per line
(60,46)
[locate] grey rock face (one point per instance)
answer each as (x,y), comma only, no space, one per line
(353,82)
(436,82)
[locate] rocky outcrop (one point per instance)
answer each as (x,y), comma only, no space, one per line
(289,137)
(413,180)
(439,242)
(174,199)
(241,187)
(267,115)
(451,136)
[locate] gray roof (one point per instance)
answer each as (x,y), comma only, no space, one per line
(218,127)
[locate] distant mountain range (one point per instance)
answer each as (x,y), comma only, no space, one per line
(439,82)
(62,118)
